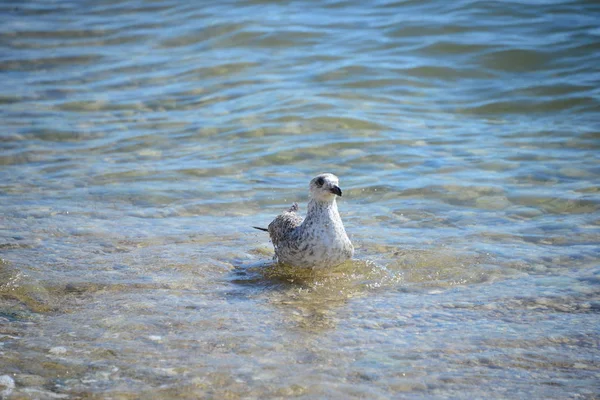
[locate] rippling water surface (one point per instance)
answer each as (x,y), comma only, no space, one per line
(140,142)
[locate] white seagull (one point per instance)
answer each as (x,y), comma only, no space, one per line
(318,241)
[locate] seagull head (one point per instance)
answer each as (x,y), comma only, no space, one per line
(324,187)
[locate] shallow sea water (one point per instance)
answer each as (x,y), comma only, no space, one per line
(141,140)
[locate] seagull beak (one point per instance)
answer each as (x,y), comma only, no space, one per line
(335,189)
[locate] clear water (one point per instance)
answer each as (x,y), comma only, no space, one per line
(140,142)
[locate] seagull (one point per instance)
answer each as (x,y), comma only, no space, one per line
(317,241)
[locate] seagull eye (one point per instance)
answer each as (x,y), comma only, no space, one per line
(320,182)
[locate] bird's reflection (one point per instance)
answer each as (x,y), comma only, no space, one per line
(309,299)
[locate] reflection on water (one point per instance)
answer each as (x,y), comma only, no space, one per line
(309,298)
(142,141)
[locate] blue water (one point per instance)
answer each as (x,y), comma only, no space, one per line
(141,141)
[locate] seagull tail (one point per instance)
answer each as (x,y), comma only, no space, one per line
(260,229)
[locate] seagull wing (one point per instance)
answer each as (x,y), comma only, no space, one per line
(285,224)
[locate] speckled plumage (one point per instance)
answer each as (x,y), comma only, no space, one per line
(319,240)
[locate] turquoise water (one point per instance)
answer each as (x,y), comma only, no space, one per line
(141,141)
